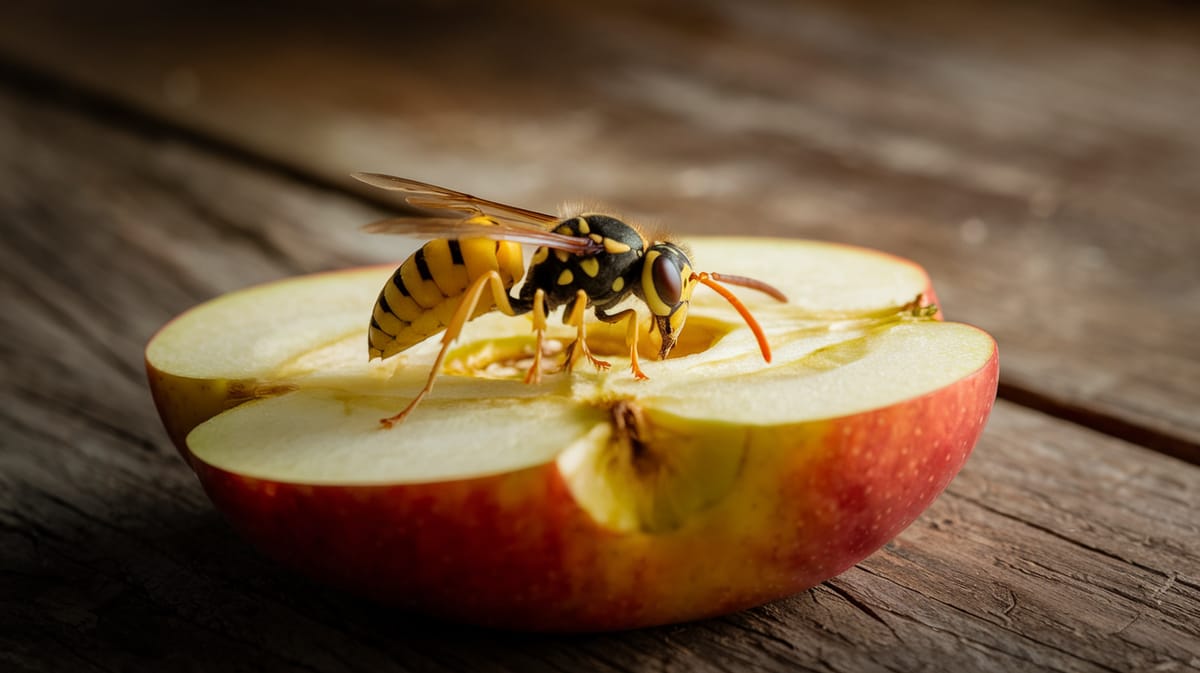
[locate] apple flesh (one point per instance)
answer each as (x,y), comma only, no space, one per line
(590,501)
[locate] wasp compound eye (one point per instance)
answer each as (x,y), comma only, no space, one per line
(668,282)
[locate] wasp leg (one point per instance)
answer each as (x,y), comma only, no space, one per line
(539,327)
(462,314)
(631,336)
(574,317)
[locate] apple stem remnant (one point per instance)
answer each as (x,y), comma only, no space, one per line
(627,423)
(913,311)
(916,308)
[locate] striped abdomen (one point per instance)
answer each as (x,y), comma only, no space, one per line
(420,298)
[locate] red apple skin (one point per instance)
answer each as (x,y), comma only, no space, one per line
(515,551)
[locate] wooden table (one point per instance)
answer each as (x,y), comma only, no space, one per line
(1043,164)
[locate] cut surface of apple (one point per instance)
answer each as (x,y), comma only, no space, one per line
(590,500)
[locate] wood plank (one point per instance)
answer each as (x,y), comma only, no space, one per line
(1040,161)
(1056,548)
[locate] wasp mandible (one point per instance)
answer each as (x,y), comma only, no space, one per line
(589,260)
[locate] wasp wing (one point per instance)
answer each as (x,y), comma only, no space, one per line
(424,195)
(482,226)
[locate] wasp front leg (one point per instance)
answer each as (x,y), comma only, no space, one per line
(631,336)
(574,317)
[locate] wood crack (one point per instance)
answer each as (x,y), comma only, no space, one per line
(860,606)
(737,622)
(1024,636)
(1093,419)
(608,661)
(1060,536)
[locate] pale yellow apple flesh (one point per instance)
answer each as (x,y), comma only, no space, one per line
(590,500)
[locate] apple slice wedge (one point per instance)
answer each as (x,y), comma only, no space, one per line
(588,501)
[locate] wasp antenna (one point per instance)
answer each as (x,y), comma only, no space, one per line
(751,283)
(708,280)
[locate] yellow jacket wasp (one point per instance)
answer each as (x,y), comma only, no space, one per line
(583,261)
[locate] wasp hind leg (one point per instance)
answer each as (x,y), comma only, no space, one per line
(462,314)
(534,375)
(574,318)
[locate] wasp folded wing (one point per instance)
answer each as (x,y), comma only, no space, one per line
(424,195)
(483,226)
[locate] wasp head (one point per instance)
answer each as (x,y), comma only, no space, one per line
(666,287)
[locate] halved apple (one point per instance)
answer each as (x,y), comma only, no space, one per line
(589,501)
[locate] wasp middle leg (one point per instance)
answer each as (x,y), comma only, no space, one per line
(573,316)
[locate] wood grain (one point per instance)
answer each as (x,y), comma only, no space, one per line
(1057,548)
(1041,162)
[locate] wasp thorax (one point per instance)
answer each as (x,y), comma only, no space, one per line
(604,276)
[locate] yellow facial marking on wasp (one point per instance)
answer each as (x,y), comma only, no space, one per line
(565,277)
(565,230)
(615,247)
(677,318)
(688,283)
(562,255)
(596,237)
(656,304)
(590,266)
(618,284)
(541,255)
(583,226)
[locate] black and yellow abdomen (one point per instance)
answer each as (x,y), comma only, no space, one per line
(419,300)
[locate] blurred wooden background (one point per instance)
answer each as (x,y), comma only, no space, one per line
(1043,162)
